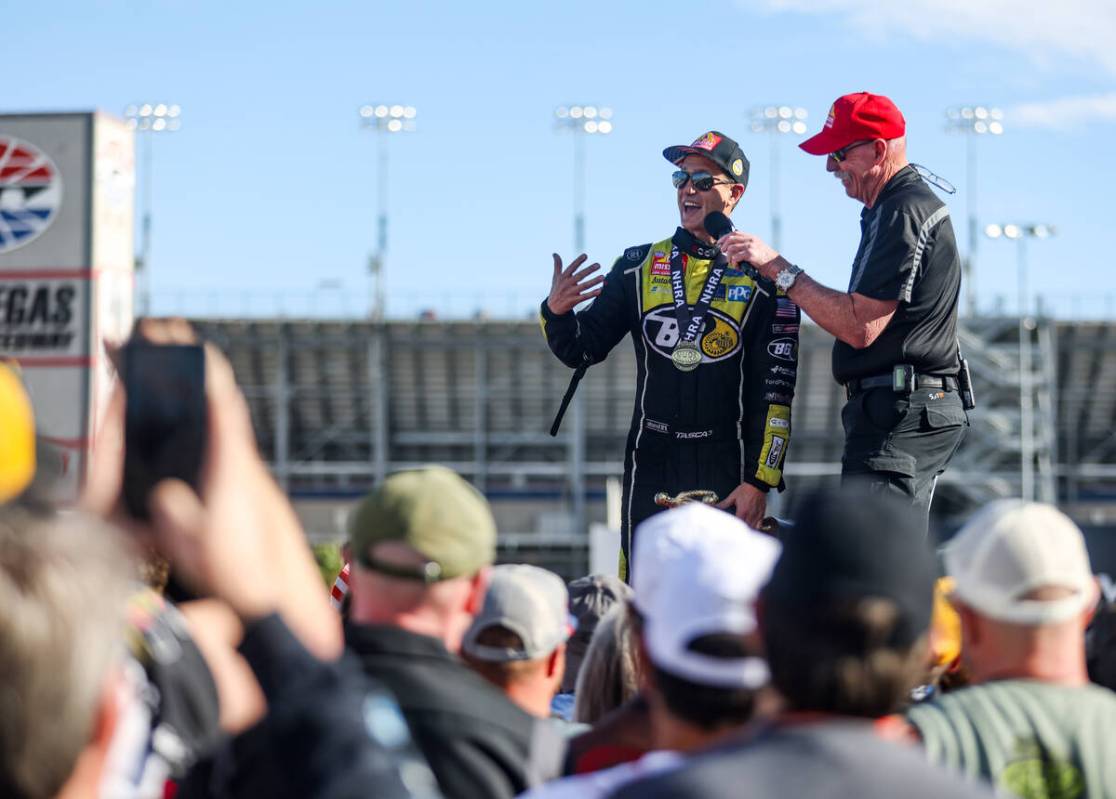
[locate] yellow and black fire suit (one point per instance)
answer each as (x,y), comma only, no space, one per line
(726,422)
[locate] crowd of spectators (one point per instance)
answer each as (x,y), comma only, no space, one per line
(198,653)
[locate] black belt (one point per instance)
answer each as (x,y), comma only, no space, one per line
(854,387)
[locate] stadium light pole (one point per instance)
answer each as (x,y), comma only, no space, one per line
(776,121)
(148,119)
(580,121)
(1019,234)
(383,120)
(973,121)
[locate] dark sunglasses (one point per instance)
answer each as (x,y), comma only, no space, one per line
(702,180)
(840,155)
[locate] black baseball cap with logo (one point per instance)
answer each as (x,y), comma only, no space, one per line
(719,149)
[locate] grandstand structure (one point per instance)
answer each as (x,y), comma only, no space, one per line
(337,404)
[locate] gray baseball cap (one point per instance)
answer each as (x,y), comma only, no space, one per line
(531,602)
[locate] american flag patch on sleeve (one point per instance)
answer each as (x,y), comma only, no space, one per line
(785,308)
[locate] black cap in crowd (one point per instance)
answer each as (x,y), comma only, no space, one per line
(852,544)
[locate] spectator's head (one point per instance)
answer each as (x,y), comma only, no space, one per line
(609,674)
(422,544)
(845,616)
(518,640)
(64,585)
(1025,592)
(698,572)
(591,597)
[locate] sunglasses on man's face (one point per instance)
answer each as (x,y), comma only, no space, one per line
(702,180)
(840,155)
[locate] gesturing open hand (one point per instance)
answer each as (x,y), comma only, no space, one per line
(569,287)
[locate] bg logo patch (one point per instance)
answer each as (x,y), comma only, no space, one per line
(30,193)
(782,348)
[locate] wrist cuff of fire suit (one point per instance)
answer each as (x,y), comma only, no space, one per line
(761,485)
(550,316)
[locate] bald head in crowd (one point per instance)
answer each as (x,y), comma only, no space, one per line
(64,585)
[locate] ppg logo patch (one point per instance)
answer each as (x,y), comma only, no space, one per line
(782,348)
(30,193)
(738,293)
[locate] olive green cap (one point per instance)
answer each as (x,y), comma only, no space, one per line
(435,512)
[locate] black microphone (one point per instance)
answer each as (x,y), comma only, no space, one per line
(716,225)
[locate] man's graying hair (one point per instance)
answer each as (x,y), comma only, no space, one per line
(64,583)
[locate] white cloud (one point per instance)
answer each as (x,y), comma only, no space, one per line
(1084,30)
(1063,113)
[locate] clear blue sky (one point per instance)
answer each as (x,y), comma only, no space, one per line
(269,186)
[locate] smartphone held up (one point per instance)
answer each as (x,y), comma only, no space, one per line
(165,422)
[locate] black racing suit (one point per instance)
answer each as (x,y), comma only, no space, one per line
(726,422)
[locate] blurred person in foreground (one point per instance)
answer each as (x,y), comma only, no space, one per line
(64,586)
(844,622)
(896,350)
(591,597)
(328,731)
(702,674)
(171,716)
(422,546)
(1032,723)
(518,640)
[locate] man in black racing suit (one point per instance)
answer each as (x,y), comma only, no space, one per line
(718,416)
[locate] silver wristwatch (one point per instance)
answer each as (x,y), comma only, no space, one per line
(786,277)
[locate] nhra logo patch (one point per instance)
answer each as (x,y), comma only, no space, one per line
(720,339)
(30,193)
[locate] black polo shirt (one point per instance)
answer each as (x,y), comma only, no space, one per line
(907,253)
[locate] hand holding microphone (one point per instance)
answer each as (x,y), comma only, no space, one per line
(744,249)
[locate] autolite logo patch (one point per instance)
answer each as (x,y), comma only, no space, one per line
(30,193)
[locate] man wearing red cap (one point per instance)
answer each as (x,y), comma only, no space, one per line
(896,327)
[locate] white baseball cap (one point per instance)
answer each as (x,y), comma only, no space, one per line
(698,572)
(1011,548)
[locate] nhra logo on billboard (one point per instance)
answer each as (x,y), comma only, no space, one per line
(30,193)
(720,337)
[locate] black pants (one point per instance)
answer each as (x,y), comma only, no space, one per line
(662,463)
(902,443)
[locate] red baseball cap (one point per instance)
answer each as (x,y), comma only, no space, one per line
(856,117)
